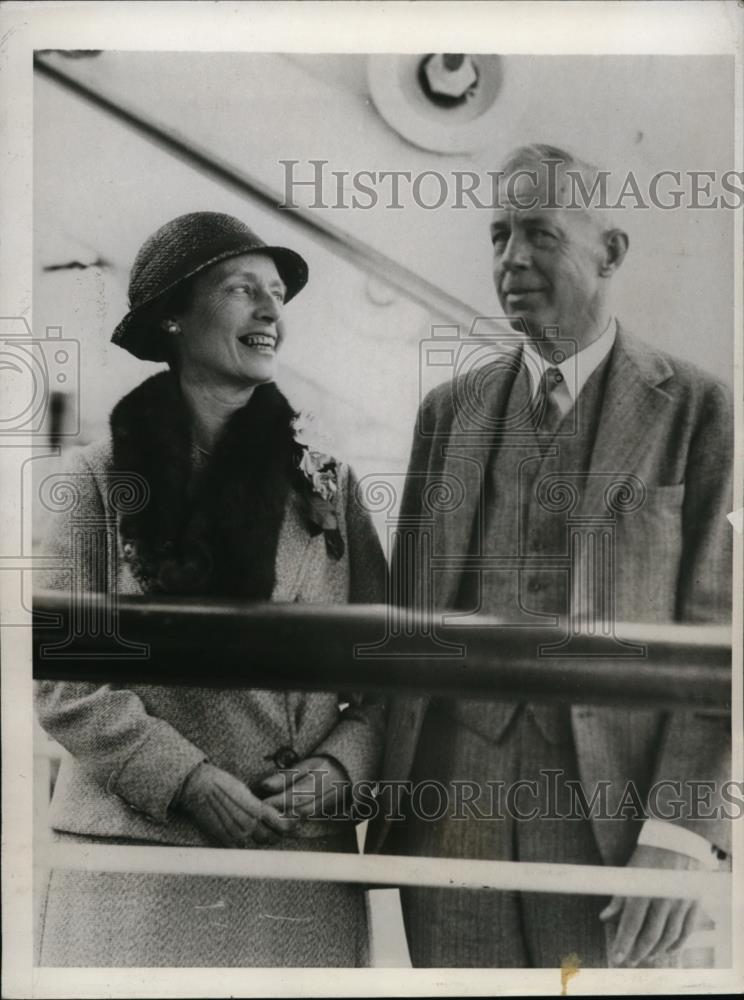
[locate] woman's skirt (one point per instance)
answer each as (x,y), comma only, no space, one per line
(95,919)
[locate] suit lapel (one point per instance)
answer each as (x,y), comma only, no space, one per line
(292,553)
(467,453)
(631,408)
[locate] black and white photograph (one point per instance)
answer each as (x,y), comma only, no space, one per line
(371,448)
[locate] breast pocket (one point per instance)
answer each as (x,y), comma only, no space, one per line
(648,553)
(663,499)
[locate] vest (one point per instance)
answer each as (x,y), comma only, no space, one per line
(523,534)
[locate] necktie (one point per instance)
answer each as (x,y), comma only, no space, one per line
(552,402)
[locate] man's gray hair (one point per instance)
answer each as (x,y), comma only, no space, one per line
(587,183)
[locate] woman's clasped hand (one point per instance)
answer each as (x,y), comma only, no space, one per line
(227,811)
(315,788)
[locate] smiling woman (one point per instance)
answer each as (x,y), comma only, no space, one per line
(240,301)
(234,509)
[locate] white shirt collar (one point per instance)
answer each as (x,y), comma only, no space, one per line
(576,369)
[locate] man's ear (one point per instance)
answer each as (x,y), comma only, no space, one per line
(616,245)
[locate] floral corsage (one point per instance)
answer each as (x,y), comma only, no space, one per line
(318,478)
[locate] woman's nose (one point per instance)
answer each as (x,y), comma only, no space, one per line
(268,307)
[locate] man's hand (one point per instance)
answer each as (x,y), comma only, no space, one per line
(227,811)
(649,928)
(313,788)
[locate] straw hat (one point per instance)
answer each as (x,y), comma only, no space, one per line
(179,250)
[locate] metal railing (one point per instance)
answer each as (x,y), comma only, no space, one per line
(374,647)
(354,647)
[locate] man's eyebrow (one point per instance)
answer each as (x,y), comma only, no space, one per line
(542,216)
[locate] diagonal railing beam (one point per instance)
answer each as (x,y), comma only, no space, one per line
(333,238)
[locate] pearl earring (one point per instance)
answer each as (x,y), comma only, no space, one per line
(173,327)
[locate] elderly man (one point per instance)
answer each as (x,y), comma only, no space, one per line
(637,437)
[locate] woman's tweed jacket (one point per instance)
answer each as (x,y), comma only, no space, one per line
(130,749)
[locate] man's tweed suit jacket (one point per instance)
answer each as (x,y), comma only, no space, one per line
(669,424)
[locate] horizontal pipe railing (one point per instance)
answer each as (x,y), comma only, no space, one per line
(375,648)
(304,646)
(712,889)
(376,871)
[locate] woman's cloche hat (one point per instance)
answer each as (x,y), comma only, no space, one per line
(177,251)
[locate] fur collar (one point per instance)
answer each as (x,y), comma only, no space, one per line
(220,535)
